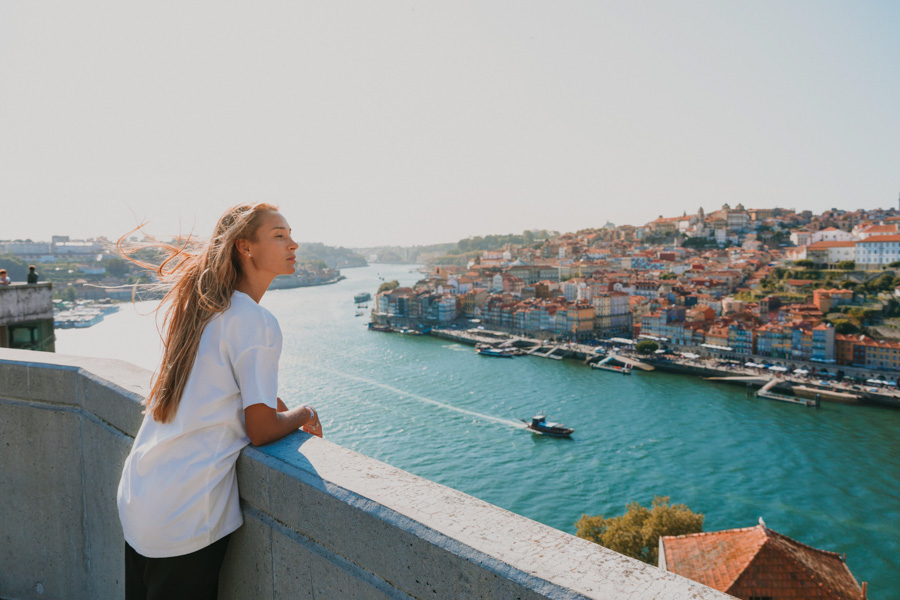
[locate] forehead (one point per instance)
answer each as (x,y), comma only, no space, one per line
(274,220)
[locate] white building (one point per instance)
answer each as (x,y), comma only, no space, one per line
(831,234)
(877,251)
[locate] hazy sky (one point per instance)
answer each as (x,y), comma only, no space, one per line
(420,122)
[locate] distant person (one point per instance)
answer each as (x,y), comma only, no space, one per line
(32,274)
(215,392)
(4,278)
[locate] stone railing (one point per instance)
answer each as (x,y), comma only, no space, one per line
(320,521)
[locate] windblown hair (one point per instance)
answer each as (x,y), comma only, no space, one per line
(200,281)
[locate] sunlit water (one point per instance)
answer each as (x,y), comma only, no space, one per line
(829,478)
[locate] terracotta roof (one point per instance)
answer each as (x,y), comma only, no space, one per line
(822,245)
(880,239)
(880,229)
(743,561)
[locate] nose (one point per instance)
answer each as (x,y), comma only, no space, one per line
(293,243)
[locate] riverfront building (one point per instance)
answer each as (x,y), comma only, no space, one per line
(26,317)
(756,562)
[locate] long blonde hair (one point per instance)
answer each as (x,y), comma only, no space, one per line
(200,282)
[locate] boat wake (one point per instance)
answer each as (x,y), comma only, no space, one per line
(422,399)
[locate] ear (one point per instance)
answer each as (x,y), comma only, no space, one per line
(242,245)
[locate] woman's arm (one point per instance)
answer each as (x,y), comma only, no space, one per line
(266,424)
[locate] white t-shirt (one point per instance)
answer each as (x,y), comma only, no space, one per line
(178,492)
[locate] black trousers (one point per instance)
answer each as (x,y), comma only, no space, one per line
(193,576)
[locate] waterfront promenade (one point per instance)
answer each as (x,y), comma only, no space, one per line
(710,367)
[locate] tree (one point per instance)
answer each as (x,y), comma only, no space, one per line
(846,265)
(117,267)
(646,347)
(845,327)
(637,532)
(388,286)
(806,264)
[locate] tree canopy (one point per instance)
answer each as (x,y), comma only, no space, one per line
(646,347)
(388,286)
(637,532)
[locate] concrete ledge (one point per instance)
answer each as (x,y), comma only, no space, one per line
(321,521)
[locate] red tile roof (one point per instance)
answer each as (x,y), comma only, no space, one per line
(756,561)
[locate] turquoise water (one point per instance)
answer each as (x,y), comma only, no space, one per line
(829,478)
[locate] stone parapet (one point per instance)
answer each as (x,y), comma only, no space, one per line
(320,521)
(21,302)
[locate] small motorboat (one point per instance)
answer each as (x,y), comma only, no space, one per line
(494,352)
(540,424)
(377,327)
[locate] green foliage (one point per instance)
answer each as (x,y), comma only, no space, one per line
(458,260)
(883,283)
(699,242)
(16,268)
(891,308)
(810,275)
(117,267)
(668,276)
(846,265)
(388,286)
(496,242)
(637,532)
(806,264)
(646,347)
(844,327)
(895,264)
(70,294)
(849,285)
(315,253)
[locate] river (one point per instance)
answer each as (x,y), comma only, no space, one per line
(829,478)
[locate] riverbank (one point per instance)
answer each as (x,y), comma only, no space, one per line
(804,385)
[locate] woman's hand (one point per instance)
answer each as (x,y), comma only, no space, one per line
(265,424)
(313,426)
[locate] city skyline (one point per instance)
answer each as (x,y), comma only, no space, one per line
(404,124)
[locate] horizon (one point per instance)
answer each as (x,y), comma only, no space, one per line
(554,233)
(402,123)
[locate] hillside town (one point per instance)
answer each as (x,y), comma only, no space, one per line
(734,282)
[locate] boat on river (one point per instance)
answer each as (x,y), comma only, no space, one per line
(377,327)
(624,370)
(540,424)
(494,352)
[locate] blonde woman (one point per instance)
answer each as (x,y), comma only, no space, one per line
(215,392)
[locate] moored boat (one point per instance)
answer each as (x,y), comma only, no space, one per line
(626,370)
(377,327)
(494,352)
(540,424)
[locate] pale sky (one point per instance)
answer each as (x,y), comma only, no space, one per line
(422,122)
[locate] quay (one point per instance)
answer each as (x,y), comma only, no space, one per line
(707,368)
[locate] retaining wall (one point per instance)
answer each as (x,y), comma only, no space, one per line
(320,521)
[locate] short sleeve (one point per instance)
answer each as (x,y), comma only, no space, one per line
(253,338)
(256,373)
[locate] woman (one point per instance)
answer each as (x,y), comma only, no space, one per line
(215,392)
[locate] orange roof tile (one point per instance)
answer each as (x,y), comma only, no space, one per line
(739,561)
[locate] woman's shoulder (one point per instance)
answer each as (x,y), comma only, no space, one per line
(243,308)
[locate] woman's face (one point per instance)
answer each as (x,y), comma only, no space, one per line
(273,250)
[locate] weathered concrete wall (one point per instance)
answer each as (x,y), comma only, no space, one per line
(321,521)
(23,302)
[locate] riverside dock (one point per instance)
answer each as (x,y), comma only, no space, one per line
(767,393)
(706,368)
